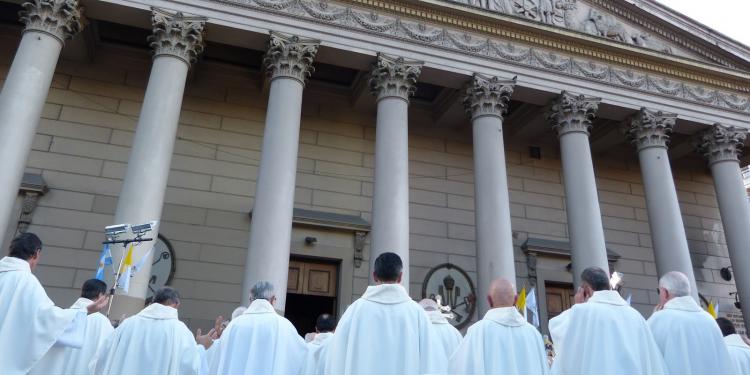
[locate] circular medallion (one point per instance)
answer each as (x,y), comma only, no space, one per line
(455,289)
(162,266)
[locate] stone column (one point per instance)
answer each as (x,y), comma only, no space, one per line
(48,24)
(572,115)
(722,147)
(393,80)
(486,102)
(649,132)
(177,40)
(288,63)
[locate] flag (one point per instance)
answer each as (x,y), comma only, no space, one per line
(521,302)
(712,310)
(125,270)
(137,267)
(532,307)
(630,297)
(105,259)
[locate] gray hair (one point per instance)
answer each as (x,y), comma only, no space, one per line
(676,283)
(238,311)
(262,290)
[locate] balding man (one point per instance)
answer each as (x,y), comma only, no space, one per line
(602,334)
(739,351)
(502,342)
(687,336)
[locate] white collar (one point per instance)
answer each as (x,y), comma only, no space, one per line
(81,304)
(388,294)
(685,303)
(260,306)
(158,311)
(610,297)
(14,264)
(436,317)
(320,337)
(507,316)
(736,340)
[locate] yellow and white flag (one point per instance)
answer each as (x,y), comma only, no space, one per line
(521,302)
(125,271)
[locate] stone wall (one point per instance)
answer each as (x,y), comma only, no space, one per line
(82,147)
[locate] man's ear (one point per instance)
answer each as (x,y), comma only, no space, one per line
(400,275)
(515,299)
(375,277)
(489,300)
(37,253)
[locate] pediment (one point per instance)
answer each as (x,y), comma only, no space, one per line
(645,24)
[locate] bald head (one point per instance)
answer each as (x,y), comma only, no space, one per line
(502,293)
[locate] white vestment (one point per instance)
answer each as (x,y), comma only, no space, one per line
(739,351)
(30,323)
(153,341)
(501,343)
(385,332)
(689,339)
(317,349)
(604,336)
(260,342)
(446,333)
(68,360)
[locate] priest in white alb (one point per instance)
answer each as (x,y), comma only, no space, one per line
(69,360)
(219,329)
(687,336)
(602,334)
(446,333)
(260,341)
(30,323)
(325,326)
(739,351)
(503,342)
(385,331)
(154,341)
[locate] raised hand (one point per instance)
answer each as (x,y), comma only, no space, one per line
(218,327)
(205,340)
(98,305)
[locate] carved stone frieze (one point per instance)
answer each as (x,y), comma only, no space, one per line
(573,113)
(290,56)
(422,32)
(590,69)
(722,143)
(488,96)
(649,128)
(177,35)
(59,18)
(394,77)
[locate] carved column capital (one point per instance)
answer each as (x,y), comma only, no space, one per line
(177,35)
(394,77)
(59,18)
(649,128)
(488,96)
(573,113)
(290,56)
(722,143)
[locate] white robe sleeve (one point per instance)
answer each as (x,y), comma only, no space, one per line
(75,333)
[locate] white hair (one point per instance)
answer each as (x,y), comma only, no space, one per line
(238,311)
(262,290)
(676,283)
(429,304)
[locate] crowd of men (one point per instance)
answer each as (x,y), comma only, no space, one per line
(383,332)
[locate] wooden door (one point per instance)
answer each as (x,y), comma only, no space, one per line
(559,297)
(312,279)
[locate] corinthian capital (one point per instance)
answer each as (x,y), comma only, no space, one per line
(488,96)
(573,113)
(59,18)
(290,56)
(394,77)
(177,35)
(649,128)
(722,143)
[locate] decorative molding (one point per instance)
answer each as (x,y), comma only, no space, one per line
(649,128)
(359,248)
(573,113)
(722,143)
(290,56)
(32,188)
(511,46)
(59,18)
(394,77)
(488,96)
(175,34)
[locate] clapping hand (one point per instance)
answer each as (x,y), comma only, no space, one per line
(98,305)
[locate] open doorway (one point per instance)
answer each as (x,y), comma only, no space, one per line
(311,291)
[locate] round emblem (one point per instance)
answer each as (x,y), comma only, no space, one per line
(455,289)
(162,266)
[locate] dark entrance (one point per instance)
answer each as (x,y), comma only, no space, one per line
(311,291)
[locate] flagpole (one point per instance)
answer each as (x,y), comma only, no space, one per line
(117,278)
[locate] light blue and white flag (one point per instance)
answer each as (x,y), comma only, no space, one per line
(105,259)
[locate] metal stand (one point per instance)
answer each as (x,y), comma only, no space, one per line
(125,244)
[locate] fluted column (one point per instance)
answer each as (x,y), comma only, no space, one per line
(177,40)
(572,115)
(393,80)
(48,24)
(649,132)
(722,147)
(486,102)
(288,62)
